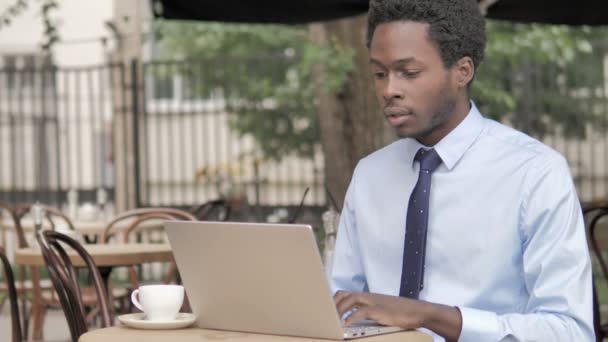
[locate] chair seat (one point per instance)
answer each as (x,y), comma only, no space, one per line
(28,286)
(89,296)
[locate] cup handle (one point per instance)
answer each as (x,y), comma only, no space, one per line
(135,301)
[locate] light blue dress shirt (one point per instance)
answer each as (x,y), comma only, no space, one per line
(506,240)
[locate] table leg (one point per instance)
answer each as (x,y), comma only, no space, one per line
(25,318)
(38,307)
(105,272)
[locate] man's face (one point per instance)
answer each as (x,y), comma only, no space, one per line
(416,91)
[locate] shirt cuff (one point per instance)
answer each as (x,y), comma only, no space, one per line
(478,325)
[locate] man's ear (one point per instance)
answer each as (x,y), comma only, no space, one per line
(464,69)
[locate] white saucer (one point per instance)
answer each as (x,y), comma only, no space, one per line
(138,321)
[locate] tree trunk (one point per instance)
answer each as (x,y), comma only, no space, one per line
(350,122)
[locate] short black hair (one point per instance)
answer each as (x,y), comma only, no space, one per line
(457,27)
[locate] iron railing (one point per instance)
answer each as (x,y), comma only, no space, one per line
(160,133)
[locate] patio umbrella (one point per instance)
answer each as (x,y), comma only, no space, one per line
(581,12)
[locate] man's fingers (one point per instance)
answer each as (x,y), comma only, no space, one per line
(341,294)
(347,303)
(358,315)
(354,300)
(339,297)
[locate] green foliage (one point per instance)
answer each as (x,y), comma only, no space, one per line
(51,36)
(266,73)
(47,7)
(542,77)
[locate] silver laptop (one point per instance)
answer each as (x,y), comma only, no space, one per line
(260,278)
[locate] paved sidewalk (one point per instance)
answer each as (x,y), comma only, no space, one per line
(55,326)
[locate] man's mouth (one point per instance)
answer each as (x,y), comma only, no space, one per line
(396,116)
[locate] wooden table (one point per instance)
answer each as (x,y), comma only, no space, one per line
(106,256)
(88,228)
(121,333)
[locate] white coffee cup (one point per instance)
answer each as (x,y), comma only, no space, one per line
(159,302)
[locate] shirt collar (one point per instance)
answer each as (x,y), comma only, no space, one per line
(453,146)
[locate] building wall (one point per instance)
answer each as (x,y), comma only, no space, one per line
(81,26)
(43,125)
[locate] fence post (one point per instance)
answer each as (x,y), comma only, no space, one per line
(135,88)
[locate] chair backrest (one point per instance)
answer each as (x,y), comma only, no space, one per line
(65,280)
(132,217)
(593,215)
(217,210)
(8,209)
(137,224)
(12,296)
(52,216)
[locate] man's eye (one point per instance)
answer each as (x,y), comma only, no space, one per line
(410,73)
(379,74)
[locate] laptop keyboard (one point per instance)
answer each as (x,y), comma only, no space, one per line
(362,330)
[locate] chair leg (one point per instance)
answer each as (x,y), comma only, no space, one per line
(171,274)
(599,334)
(91,317)
(38,322)
(25,317)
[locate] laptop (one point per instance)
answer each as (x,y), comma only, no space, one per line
(259,278)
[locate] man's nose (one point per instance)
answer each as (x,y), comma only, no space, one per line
(392,89)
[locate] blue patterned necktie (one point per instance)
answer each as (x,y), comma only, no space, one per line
(412,273)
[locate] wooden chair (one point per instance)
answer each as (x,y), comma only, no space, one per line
(213,210)
(44,296)
(129,219)
(53,216)
(27,290)
(6,211)
(593,215)
(17,334)
(134,221)
(65,280)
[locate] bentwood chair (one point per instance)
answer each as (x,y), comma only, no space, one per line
(34,290)
(17,335)
(44,296)
(6,211)
(129,217)
(213,210)
(65,281)
(135,221)
(593,216)
(53,216)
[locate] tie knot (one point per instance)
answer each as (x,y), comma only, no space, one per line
(429,159)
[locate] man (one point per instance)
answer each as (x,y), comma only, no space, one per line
(497,252)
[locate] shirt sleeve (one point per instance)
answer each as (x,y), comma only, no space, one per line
(556,268)
(347,272)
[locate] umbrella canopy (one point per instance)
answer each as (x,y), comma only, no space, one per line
(582,12)
(259,11)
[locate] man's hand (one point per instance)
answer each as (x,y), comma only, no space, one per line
(383,309)
(399,311)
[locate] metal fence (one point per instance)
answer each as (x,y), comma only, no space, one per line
(65,129)
(55,132)
(72,130)
(191,153)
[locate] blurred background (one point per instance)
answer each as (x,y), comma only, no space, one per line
(108,105)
